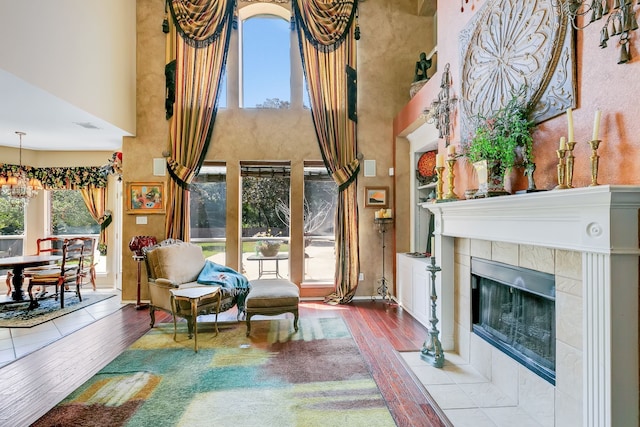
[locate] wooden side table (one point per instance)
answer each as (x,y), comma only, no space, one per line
(194,296)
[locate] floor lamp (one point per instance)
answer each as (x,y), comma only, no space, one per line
(136,245)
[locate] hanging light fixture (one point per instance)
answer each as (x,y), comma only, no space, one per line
(619,17)
(18,185)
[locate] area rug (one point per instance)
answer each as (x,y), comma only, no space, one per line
(275,377)
(17,315)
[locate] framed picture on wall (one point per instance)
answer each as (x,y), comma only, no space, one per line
(376,197)
(145,197)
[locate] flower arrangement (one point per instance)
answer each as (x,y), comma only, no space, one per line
(267,247)
(504,137)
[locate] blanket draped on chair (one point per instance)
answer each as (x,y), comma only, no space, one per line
(232,282)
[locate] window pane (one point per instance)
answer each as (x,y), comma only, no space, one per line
(208,204)
(320,201)
(265,205)
(222,95)
(11,227)
(266,62)
(69,214)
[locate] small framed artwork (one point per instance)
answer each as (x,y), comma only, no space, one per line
(376,197)
(145,197)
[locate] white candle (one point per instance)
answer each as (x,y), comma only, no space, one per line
(596,125)
(439,160)
(570,124)
(563,143)
(451,150)
(433,246)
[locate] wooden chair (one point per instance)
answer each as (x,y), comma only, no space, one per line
(62,276)
(88,267)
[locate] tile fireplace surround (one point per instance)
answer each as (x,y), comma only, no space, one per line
(591,233)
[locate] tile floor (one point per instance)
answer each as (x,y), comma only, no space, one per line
(17,342)
(465,396)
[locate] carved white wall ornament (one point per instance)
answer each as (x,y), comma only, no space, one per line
(513,43)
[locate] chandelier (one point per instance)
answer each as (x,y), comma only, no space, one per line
(618,16)
(17,184)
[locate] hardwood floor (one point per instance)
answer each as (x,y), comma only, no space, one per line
(32,385)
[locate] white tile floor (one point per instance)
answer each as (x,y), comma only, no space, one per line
(466,397)
(18,342)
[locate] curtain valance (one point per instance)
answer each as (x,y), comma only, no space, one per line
(61,178)
(200,22)
(325,24)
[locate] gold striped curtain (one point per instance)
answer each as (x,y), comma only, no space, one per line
(198,40)
(327,45)
(95,198)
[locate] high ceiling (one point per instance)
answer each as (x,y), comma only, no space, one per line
(50,123)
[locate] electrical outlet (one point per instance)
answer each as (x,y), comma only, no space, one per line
(361,277)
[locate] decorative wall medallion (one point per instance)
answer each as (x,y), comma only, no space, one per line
(511,43)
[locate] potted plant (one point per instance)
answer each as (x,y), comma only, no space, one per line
(267,247)
(501,141)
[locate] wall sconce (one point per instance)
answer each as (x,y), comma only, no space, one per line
(620,21)
(439,112)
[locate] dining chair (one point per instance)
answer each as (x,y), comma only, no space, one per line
(89,261)
(62,276)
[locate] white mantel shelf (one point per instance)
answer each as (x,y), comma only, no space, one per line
(601,223)
(577,219)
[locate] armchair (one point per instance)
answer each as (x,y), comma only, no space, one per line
(173,264)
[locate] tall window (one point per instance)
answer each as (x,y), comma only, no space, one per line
(266,62)
(265,205)
(208,204)
(320,201)
(69,216)
(11,227)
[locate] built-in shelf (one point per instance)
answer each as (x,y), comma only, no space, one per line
(426,186)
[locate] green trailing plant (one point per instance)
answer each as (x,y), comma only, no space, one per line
(503,137)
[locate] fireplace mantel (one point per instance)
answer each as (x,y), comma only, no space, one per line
(579,219)
(601,223)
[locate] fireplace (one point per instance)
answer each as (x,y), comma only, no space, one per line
(588,238)
(513,309)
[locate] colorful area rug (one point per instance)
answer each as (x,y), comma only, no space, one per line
(17,315)
(314,377)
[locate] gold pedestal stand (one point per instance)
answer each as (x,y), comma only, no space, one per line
(570,157)
(562,170)
(451,195)
(440,182)
(594,162)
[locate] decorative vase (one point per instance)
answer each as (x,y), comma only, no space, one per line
(268,248)
(138,242)
(490,179)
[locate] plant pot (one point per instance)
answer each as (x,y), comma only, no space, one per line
(490,179)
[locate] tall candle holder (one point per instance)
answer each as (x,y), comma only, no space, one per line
(432,348)
(451,162)
(594,162)
(439,184)
(562,170)
(569,167)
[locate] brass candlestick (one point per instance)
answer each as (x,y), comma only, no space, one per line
(439,170)
(594,162)
(450,194)
(562,170)
(570,157)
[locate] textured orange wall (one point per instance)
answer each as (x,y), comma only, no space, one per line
(601,84)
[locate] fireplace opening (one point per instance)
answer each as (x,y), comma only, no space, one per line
(513,309)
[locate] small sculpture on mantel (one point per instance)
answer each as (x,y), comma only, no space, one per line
(421,68)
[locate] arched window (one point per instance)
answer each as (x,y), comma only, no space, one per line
(265,43)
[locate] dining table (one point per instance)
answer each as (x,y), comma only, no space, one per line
(17,264)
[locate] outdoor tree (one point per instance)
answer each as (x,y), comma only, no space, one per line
(275,103)
(259,199)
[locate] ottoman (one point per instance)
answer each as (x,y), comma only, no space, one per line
(269,297)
